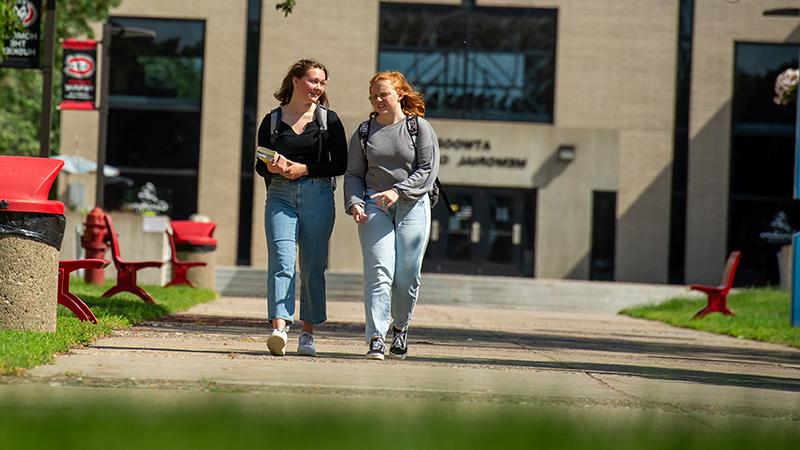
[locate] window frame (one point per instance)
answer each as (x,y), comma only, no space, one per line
(470,11)
(138,103)
(148,102)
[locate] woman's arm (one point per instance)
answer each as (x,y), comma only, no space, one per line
(262,141)
(277,167)
(354,186)
(421,180)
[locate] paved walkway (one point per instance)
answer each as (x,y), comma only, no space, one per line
(462,353)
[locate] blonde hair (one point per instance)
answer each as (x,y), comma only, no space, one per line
(299,69)
(412,101)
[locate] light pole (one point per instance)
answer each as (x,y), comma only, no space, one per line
(47,79)
(109,29)
(105,71)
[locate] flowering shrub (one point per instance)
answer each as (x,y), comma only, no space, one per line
(786,86)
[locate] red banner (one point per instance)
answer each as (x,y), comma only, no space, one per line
(79,80)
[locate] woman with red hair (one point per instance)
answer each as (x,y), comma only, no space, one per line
(392,164)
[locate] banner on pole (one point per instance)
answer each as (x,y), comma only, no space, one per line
(79,80)
(22,50)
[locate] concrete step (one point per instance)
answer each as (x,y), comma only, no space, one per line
(529,293)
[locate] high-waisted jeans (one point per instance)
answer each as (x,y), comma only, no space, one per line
(298,214)
(393,244)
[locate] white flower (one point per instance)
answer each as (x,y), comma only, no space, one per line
(786,86)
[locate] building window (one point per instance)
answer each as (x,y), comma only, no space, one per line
(155,105)
(762,159)
(474,62)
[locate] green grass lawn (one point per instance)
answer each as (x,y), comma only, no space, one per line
(24,349)
(761,314)
(103,425)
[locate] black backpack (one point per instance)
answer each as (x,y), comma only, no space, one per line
(412,125)
(320,116)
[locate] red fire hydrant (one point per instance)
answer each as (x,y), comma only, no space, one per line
(94,243)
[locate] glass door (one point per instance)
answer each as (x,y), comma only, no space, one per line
(491,232)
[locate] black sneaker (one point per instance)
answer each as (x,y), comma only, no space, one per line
(399,347)
(377,348)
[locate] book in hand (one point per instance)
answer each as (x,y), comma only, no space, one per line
(265,154)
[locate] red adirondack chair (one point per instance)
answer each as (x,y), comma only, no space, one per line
(180,269)
(67,298)
(126,271)
(718,295)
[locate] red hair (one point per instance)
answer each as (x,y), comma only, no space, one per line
(412,101)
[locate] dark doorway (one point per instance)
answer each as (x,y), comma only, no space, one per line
(604,230)
(762,160)
(491,232)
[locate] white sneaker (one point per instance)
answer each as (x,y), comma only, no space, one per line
(277,342)
(305,345)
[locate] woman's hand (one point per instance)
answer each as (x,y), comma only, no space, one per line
(386,198)
(278,165)
(295,171)
(358,213)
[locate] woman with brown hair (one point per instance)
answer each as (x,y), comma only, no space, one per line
(311,149)
(392,164)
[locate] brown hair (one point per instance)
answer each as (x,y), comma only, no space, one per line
(299,69)
(412,101)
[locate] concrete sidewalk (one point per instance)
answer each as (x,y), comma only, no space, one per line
(457,353)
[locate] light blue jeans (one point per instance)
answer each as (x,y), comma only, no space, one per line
(298,214)
(393,244)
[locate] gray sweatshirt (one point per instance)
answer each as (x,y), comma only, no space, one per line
(391,162)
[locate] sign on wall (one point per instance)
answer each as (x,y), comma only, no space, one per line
(476,152)
(79,80)
(22,50)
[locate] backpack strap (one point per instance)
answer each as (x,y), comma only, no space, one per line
(363,132)
(274,121)
(412,125)
(321,116)
(443,193)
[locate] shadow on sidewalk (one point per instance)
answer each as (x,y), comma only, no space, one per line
(694,353)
